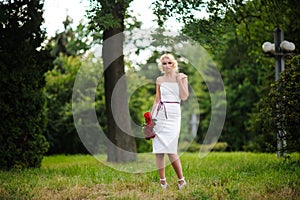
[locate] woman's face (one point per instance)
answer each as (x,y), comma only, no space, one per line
(167,64)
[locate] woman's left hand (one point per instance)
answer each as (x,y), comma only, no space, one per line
(180,76)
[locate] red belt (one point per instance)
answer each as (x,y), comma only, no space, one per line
(162,104)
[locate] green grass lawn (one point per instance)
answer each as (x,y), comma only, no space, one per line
(217,176)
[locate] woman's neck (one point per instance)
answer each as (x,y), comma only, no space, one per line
(170,76)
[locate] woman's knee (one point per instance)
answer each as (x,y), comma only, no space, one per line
(173,157)
(159,155)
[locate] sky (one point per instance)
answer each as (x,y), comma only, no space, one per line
(55,12)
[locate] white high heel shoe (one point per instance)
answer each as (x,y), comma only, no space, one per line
(165,185)
(180,186)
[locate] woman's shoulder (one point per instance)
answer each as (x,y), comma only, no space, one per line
(159,80)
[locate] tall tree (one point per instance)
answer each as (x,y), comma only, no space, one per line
(23,62)
(108,17)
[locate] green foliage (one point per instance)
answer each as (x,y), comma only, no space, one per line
(105,15)
(181,10)
(71,42)
(22,64)
(70,48)
(196,147)
(61,131)
(140,101)
(279,111)
(231,49)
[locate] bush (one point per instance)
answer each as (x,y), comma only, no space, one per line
(280,110)
(218,147)
(22,100)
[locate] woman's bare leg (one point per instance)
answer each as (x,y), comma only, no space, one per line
(176,164)
(160,163)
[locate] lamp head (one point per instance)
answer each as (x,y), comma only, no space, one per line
(268,47)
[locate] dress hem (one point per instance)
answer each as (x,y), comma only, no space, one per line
(164,152)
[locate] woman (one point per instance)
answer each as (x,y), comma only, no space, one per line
(171,88)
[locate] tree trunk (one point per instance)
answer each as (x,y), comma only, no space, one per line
(122,147)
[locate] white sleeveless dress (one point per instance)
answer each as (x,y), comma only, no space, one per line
(168,119)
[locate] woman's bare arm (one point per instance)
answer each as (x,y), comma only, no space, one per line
(157,96)
(183,86)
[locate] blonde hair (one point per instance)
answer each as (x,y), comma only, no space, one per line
(171,57)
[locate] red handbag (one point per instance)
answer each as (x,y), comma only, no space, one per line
(149,126)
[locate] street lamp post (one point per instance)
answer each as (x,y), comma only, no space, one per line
(279,49)
(279,57)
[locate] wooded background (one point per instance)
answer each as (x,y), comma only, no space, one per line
(37,75)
